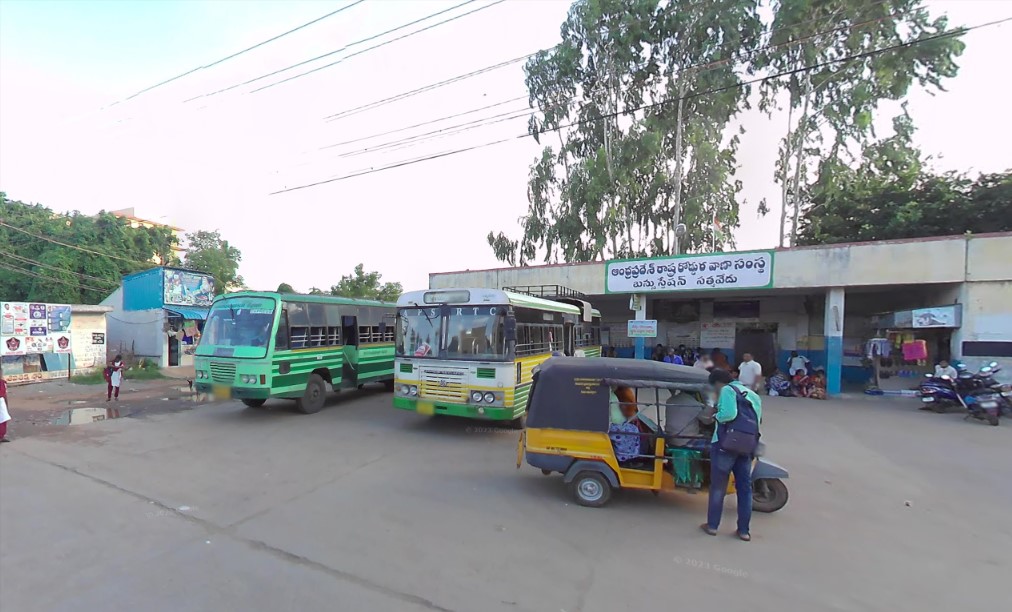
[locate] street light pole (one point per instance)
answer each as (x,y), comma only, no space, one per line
(680,230)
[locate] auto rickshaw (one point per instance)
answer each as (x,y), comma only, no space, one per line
(572,411)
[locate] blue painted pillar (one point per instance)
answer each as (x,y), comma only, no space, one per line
(638,304)
(834,339)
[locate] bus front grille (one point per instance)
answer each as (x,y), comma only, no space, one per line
(223,373)
(444,385)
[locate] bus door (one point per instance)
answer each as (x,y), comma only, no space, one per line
(349,331)
(569,331)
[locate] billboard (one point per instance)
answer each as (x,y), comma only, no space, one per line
(745,270)
(187,288)
(33,328)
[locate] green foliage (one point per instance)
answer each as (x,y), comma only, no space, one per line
(364,285)
(891,195)
(285,288)
(618,183)
(208,252)
(39,270)
(834,105)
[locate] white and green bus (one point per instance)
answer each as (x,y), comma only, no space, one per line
(471,352)
(257,346)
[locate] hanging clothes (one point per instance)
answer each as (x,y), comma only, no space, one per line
(915,350)
(878,347)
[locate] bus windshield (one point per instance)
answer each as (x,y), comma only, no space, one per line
(240,321)
(475,332)
(418,332)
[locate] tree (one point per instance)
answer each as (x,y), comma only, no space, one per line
(71,257)
(366,285)
(832,106)
(891,195)
(285,288)
(208,252)
(620,180)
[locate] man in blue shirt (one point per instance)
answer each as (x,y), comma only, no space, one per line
(724,463)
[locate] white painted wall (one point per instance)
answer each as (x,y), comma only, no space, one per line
(137,331)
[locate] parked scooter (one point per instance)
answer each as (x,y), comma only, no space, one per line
(939,393)
(987,381)
(972,392)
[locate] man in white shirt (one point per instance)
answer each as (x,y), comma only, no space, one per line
(750,372)
(797,363)
(944,369)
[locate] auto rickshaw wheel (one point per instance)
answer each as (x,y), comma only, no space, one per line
(992,419)
(768,494)
(546,472)
(591,489)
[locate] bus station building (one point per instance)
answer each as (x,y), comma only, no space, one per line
(892,307)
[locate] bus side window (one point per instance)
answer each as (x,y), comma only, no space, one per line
(281,338)
(317,325)
(298,322)
(333,325)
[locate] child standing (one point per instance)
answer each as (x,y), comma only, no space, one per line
(115,378)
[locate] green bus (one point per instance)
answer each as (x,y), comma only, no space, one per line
(261,345)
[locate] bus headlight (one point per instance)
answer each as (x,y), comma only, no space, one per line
(405,390)
(476,397)
(414,390)
(490,397)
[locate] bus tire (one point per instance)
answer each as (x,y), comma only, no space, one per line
(316,393)
(389,384)
(254,403)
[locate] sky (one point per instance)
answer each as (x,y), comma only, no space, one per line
(69,138)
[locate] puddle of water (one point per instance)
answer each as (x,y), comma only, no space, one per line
(81,416)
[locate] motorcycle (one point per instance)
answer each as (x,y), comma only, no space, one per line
(1004,391)
(938,393)
(974,393)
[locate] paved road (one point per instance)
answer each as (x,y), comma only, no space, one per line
(363,507)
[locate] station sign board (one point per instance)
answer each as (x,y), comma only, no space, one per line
(642,329)
(704,272)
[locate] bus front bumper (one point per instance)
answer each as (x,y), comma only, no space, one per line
(238,393)
(488,413)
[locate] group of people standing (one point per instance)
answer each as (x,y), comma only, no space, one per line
(683,355)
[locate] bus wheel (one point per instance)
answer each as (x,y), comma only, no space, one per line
(389,384)
(254,403)
(312,399)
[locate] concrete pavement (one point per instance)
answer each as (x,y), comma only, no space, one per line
(363,507)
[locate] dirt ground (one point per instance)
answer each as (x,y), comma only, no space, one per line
(39,408)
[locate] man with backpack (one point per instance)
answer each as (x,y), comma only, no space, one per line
(739,412)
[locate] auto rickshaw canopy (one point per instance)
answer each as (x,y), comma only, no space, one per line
(574,393)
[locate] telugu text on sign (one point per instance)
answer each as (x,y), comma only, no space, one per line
(691,273)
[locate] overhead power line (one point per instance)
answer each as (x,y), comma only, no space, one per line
(330,53)
(480,71)
(424,123)
(382,44)
(849,58)
(76,248)
(10,267)
(81,275)
(238,53)
(696,69)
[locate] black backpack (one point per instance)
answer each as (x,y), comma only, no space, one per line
(740,436)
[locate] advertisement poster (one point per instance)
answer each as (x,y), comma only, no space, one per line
(32,329)
(942,316)
(690,273)
(14,319)
(59,317)
(187,289)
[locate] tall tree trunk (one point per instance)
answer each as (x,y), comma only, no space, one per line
(800,157)
(785,160)
(682,86)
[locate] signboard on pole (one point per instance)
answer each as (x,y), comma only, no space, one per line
(752,270)
(642,329)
